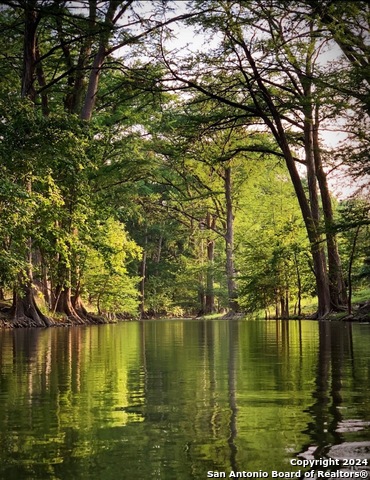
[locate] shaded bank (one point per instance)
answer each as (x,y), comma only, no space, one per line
(360,314)
(8,320)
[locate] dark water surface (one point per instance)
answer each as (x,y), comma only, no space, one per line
(177,399)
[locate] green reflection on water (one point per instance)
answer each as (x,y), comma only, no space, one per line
(175,399)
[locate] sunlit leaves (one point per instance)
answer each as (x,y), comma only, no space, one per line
(106,280)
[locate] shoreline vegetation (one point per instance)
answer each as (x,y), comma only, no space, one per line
(360,313)
(229,175)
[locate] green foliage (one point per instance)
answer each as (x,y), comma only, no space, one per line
(151,166)
(353,224)
(106,281)
(44,162)
(273,252)
(46,193)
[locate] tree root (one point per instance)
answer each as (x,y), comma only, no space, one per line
(25,313)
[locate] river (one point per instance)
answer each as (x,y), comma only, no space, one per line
(184,399)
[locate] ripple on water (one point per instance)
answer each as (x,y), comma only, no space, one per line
(357,450)
(352,425)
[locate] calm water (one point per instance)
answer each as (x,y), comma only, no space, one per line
(177,399)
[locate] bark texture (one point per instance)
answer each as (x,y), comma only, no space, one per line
(229,243)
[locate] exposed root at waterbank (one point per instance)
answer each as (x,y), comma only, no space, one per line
(232,315)
(66,322)
(361,313)
(9,320)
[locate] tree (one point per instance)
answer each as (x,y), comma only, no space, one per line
(353,223)
(303,57)
(64,50)
(106,279)
(348,25)
(102,141)
(273,252)
(205,167)
(47,164)
(276,90)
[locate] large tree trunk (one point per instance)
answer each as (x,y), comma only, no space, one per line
(77,72)
(64,305)
(92,87)
(201,282)
(229,243)
(274,121)
(142,274)
(317,253)
(31,21)
(337,287)
(350,264)
(210,294)
(316,174)
(299,286)
(73,101)
(24,310)
(63,302)
(77,302)
(319,258)
(42,82)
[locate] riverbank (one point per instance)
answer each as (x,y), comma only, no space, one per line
(8,321)
(361,313)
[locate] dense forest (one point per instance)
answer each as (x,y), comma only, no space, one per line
(183,158)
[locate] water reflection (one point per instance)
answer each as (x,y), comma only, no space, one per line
(232,385)
(175,399)
(332,421)
(324,411)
